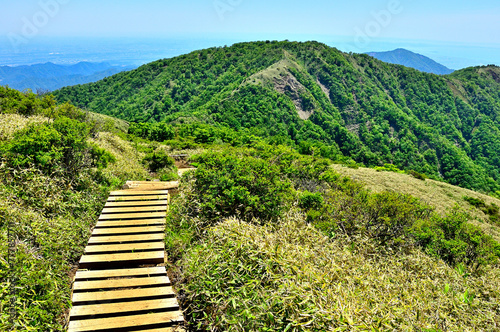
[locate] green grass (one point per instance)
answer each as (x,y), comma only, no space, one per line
(338,257)
(50,217)
(291,277)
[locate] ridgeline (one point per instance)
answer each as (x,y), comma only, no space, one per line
(344,106)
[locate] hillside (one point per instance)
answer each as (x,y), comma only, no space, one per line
(49,76)
(344,106)
(410,59)
(441,196)
(259,237)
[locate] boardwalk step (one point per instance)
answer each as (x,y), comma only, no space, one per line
(130,247)
(126,259)
(148,185)
(133,215)
(127,238)
(121,283)
(123,295)
(138,192)
(143,198)
(128,230)
(168,304)
(150,208)
(133,222)
(137,272)
(162,319)
(138,203)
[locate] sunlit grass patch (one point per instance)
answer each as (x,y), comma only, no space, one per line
(128,164)
(11,123)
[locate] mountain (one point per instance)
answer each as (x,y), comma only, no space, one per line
(324,102)
(49,76)
(257,235)
(407,58)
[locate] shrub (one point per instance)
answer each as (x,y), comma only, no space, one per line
(243,186)
(456,241)
(157,160)
(310,200)
(60,147)
(490,210)
(417,175)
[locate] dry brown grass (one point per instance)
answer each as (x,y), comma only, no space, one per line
(440,195)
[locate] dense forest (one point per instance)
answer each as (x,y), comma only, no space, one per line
(321,101)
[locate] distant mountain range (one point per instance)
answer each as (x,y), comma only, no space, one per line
(410,59)
(49,76)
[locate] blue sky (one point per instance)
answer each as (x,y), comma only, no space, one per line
(437,27)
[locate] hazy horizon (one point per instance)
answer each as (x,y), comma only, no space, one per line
(456,34)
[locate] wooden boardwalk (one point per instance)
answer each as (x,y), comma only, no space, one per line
(122,284)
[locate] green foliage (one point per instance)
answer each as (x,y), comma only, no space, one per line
(57,147)
(157,160)
(228,184)
(388,168)
(456,241)
(310,200)
(358,108)
(417,175)
(153,131)
(490,210)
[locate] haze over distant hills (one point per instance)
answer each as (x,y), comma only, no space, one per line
(50,76)
(410,59)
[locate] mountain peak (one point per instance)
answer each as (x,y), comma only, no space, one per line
(401,56)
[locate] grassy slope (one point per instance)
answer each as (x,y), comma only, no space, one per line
(50,235)
(287,275)
(440,195)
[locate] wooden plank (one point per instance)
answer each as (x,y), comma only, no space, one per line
(123,294)
(124,307)
(120,283)
(144,271)
(166,329)
(139,203)
(127,238)
(128,230)
(133,222)
(120,216)
(91,249)
(148,185)
(138,192)
(136,321)
(155,208)
(138,258)
(141,198)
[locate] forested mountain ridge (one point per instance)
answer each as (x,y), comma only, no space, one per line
(324,101)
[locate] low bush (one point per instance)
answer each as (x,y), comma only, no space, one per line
(248,187)
(158,160)
(58,147)
(456,241)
